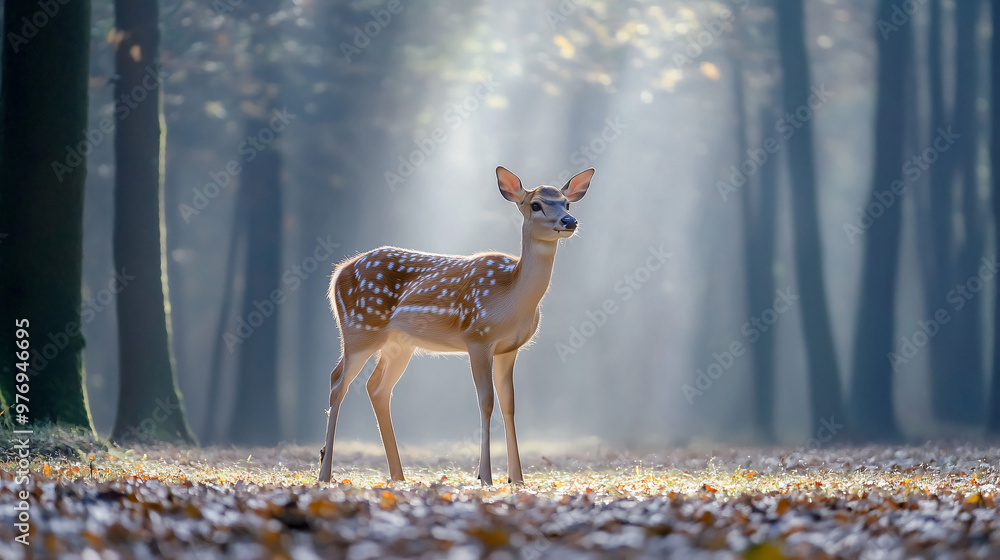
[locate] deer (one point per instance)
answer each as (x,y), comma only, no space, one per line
(393,302)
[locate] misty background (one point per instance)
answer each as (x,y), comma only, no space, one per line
(391,127)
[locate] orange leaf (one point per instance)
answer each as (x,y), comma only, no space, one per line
(976,498)
(388,501)
(492,538)
(783,505)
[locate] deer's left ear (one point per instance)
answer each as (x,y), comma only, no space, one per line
(575,188)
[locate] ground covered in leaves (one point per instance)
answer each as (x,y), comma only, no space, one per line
(937,500)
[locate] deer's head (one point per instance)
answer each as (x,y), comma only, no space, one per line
(545,209)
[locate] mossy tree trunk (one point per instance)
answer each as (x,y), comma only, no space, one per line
(149,401)
(43,147)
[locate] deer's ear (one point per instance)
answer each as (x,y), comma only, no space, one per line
(575,188)
(510,185)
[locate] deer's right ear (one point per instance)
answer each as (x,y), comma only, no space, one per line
(510,185)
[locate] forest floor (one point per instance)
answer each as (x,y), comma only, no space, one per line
(92,501)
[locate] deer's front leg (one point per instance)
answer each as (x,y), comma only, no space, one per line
(482,375)
(340,380)
(503,378)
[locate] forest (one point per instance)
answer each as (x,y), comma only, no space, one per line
(793,333)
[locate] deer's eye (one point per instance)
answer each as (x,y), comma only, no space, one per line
(535,207)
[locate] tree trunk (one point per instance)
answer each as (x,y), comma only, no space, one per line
(993,422)
(934,207)
(149,401)
(215,421)
(43,169)
(255,417)
(761,211)
(757,205)
(872,382)
(962,397)
(824,377)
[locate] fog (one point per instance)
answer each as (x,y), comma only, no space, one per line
(391,128)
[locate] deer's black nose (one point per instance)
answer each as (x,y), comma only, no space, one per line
(569,222)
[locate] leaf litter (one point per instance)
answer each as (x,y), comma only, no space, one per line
(936,500)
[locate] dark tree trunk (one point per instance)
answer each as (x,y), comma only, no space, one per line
(935,213)
(149,401)
(962,398)
(761,211)
(255,417)
(993,423)
(824,378)
(757,205)
(872,382)
(43,169)
(215,421)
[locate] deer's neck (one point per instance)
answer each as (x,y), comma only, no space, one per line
(533,271)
